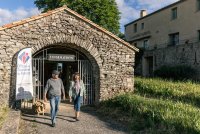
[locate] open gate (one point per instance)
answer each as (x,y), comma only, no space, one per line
(84,67)
(85,70)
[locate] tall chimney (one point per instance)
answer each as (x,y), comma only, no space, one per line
(143,13)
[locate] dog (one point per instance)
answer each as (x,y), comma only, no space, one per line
(39,107)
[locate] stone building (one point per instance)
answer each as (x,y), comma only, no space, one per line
(169,36)
(104,61)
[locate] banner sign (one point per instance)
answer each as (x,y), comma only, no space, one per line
(24,83)
(61,57)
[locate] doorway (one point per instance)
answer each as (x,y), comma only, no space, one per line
(148,66)
(66,70)
(67,62)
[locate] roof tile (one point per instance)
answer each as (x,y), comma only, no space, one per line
(7,25)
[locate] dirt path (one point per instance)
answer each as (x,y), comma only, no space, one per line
(90,123)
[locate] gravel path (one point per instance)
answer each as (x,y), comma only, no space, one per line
(90,123)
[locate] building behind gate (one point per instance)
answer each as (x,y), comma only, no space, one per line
(64,40)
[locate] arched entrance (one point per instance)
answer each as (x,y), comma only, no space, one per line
(111,58)
(66,60)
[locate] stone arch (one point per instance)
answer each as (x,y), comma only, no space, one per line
(78,44)
(71,41)
(74,42)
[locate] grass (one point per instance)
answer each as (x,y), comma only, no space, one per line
(3,115)
(186,92)
(158,106)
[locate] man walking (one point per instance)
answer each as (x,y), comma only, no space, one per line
(54,87)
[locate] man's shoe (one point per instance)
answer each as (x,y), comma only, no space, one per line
(54,124)
(77,119)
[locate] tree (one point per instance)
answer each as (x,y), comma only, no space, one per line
(102,12)
(122,36)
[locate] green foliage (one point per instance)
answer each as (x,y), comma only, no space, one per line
(160,106)
(157,115)
(46,5)
(187,92)
(180,72)
(122,36)
(3,115)
(102,12)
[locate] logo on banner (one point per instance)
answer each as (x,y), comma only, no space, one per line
(24,57)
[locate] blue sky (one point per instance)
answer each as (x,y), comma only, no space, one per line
(13,10)
(14,4)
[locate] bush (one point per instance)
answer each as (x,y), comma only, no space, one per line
(180,72)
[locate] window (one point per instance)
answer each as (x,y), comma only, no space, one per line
(174,39)
(145,44)
(135,28)
(198,5)
(174,13)
(142,26)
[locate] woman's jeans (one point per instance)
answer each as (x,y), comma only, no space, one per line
(54,103)
(77,102)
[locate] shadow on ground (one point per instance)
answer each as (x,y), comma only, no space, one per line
(89,119)
(110,122)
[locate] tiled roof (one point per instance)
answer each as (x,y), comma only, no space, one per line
(21,22)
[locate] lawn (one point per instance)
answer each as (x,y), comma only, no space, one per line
(157,106)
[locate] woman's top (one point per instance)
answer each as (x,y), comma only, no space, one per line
(76,88)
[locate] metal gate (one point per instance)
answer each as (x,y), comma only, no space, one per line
(38,78)
(84,68)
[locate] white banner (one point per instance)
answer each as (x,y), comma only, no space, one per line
(24,83)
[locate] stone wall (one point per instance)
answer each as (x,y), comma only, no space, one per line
(112,61)
(184,54)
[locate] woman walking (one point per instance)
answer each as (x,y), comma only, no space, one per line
(76,92)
